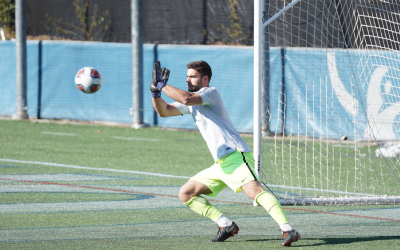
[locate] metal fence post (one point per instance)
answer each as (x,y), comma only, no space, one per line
(20,33)
(137,66)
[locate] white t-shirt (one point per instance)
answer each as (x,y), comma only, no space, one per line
(214,124)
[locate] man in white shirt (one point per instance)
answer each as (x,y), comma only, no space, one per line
(234,162)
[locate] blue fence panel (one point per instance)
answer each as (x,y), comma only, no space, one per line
(149,51)
(326,97)
(377,91)
(312,107)
(60,97)
(32,65)
(8,77)
(275,88)
(52,93)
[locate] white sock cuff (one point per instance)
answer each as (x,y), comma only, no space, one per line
(223,221)
(286,227)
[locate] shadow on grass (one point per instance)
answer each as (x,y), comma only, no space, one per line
(339,240)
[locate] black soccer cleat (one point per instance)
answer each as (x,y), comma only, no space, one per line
(289,237)
(225,232)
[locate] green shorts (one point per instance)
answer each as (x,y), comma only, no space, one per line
(234,170)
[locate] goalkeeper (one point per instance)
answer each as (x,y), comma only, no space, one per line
(234,162)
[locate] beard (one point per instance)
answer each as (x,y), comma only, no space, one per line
(194,89)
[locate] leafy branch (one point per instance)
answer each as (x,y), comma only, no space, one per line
(89,25)
(7,17)
(234,32)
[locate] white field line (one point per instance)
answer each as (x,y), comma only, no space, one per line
(134,139)
(161,175)
(115,137)
(57,133)
(90,168)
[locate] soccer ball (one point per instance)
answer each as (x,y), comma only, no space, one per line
(88,80)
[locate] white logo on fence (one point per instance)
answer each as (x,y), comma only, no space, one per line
(380,124)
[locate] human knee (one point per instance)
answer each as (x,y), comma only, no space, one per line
(191,189)
(185,194)
(252,194)
(252,189)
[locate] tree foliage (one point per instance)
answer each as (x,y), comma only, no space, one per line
(233,32)
(7,17)
(88,24)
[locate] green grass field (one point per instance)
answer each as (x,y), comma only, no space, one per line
(101,187)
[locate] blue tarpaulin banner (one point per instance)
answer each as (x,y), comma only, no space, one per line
(312,92)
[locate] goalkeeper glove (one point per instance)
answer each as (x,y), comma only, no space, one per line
(159,79)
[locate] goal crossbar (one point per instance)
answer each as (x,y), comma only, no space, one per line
(270,20)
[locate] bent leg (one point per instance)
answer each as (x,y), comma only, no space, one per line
(255,191)
(192,188)
(189,194)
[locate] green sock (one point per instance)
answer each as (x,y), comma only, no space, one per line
(273,207)
(202,206)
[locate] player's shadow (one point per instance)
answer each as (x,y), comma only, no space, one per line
(338,240)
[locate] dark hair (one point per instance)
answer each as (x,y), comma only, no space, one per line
(202,67)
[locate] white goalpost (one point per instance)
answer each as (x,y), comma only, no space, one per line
(327,100)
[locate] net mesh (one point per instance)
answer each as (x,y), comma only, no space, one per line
(332,98)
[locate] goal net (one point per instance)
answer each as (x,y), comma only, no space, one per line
(331,101)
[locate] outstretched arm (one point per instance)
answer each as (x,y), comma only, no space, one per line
(158,82)
(164,109)
(182,96)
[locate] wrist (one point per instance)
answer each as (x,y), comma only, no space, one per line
(161,85)
(156,95)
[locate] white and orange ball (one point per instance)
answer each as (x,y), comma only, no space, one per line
(88,80)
